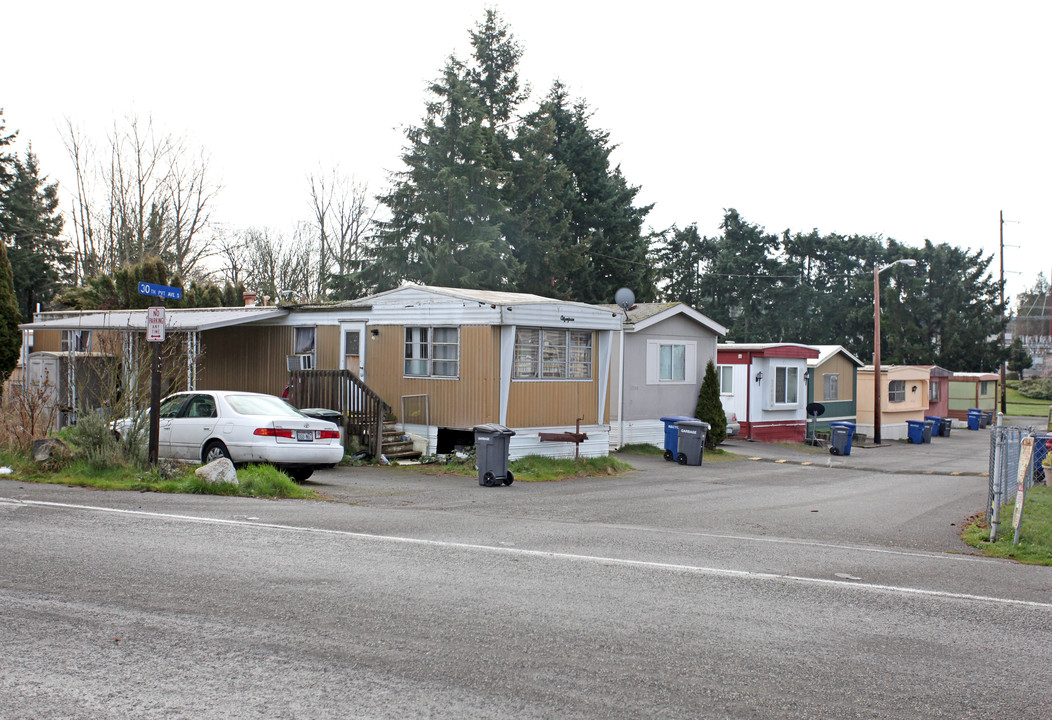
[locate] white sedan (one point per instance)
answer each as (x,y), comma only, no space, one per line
(202,426)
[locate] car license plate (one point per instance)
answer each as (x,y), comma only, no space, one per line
(305,435)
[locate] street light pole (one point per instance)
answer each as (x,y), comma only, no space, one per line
(877,270)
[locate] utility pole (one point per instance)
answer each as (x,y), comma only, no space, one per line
(1004,361)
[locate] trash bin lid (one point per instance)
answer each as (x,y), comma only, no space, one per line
(321,412)
(493,429)
(677,418)
(692,423)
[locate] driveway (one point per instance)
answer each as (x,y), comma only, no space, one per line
(898,495)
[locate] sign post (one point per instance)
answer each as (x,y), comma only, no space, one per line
(155,335)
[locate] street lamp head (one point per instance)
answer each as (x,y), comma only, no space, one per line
(904,261)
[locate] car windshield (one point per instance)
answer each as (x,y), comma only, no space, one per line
(262,405)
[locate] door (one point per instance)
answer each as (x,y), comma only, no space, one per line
(352,348)
(192,426)
(169,410)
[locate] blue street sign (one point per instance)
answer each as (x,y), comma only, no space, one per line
(161,291)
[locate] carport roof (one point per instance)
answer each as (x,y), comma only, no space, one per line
(176,319)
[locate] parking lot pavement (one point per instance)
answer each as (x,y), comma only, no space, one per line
(964,452)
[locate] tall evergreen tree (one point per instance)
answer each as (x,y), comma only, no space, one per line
(31,226)
(446,208)
(603,218)
(10,335)
(710,410)
(679,262)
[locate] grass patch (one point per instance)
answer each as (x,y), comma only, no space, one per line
(1035,538)
(536,468)
(262,481)
(641,449)
(1019,406)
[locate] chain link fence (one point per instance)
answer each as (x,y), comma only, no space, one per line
(1006,444)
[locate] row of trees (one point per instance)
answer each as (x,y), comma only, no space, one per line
(819,289)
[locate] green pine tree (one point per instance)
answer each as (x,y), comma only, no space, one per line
(709,409)
(31,226)
(10,335)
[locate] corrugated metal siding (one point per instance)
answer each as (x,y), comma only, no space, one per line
(47,340)
(459,403)
(245,358)
(327,343)
(554,404)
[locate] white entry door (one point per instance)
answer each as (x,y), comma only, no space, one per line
(352,348)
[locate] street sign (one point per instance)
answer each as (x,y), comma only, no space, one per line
(155,324)
(161,291)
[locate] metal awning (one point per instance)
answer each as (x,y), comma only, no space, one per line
(176,319)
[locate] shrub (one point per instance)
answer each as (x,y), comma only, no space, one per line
(26,415)
(1036,388)
(94,442)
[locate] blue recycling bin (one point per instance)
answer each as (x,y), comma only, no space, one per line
(915,431)
(841,434)
(672,434)
(975,418)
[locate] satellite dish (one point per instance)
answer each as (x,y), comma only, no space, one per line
(816,409)
(625,299)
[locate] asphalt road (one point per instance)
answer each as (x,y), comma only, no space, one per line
(748,589)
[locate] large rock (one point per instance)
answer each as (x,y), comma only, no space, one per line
(218,471)
(44,449)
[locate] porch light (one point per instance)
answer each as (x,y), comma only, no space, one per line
(759,376)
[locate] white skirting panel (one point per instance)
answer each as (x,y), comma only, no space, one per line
(527,441)
(638,432)
(895,431)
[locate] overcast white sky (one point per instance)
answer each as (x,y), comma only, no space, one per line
(915,120)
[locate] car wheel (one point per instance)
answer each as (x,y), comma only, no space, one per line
(299,474)
(509,478)
(213,451)
(669,456)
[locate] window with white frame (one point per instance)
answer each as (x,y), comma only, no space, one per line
(76,340)
(897,391)
(726,375)
(551,354)
(831,386)
(786,385)
(933,391)
(432,352)
(672,363)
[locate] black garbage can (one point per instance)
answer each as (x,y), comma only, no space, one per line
(491,454)
(947,426)
(841,434)
(691,441)
(987,419)
(929,426)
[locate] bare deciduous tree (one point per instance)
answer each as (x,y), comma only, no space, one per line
(150,198)
(343,215)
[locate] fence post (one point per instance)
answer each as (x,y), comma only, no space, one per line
(996,479)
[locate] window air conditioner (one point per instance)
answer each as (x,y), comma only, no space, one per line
(300,362)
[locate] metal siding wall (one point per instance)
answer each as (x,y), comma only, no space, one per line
(328,347)
(47,340)
(555,403)
(463,403)
(242,358)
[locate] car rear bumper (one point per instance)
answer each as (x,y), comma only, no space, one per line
(305,454)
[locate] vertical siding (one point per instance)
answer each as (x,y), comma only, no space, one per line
(245,358)
(457,403)
(327,347)
(558,402)
(47,340)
